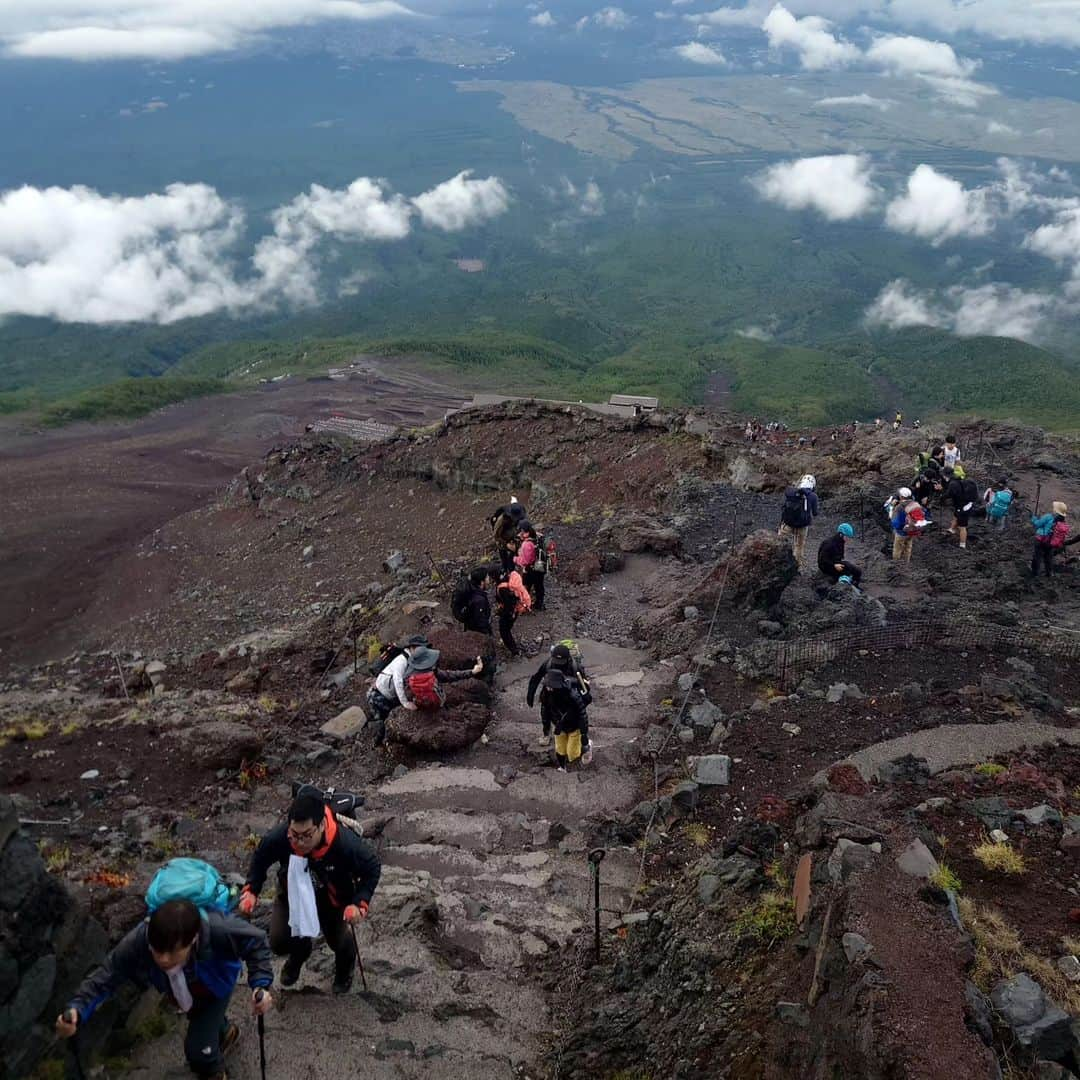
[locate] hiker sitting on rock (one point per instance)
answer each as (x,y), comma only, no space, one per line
(325,882)
(388,690)
(831,561)
(194,957)
(564,658)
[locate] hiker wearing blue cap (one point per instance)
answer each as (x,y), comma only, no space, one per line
(830,557)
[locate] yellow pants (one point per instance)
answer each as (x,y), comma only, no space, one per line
(901,547)
(798,541)
(569,745)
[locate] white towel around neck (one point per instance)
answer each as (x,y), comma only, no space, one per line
(180,989)
(303,915)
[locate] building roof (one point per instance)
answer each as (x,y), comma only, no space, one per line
(634,399)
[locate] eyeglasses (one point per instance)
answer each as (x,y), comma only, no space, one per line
(305,836)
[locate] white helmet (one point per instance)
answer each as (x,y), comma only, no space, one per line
(808,482)
(904,493)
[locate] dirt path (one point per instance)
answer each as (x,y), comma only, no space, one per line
(484,869)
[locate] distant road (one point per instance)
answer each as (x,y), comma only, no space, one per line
(74,499)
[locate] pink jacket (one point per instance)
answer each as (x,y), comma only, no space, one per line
(526,555)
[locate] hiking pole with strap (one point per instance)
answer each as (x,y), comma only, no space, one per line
(1038,495)
(77,1070)
(438,572)
(259,994)
(596,856)
(359,962)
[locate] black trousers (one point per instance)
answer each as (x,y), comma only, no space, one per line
(1043,554)
(534,582)
(331,922)
(506,630)
(202,1044)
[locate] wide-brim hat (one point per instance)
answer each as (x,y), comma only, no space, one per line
(423,658)
(1060,508)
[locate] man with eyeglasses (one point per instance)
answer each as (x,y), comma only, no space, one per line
(326,880)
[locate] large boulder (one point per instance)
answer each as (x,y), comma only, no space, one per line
(753,575)
(1040,1028)
(222,744)
(451,728)
(634,531)
(458,649)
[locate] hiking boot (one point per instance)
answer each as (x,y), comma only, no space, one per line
(290,972)
(342,984)
(229,1038)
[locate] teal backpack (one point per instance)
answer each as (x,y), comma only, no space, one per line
(999,505)
(190,879)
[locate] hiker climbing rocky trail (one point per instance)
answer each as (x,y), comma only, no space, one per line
(747,716)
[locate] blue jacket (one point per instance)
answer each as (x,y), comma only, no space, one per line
(1044,523)
(899,520)
(224,941)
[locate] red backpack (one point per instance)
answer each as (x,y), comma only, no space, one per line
(914,513)
(423,690)
(1058,534)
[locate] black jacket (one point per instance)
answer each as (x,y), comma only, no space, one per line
(224,941)
(830,553)
(961,492)
(537,678)
(562,707)
(348,871)
(478,612)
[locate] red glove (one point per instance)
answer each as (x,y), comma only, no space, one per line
(354,913)
(247,902)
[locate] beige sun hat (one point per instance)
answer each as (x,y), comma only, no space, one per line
(1060,508)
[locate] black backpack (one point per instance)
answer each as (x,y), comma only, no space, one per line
(459,602)
(971,492)
(796,512)
(389,654)
(343,804)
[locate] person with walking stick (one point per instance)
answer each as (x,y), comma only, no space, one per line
(326,878)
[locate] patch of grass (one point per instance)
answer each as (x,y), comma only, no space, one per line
(1001,858)
(374,648)
(266,703)
(769,920)
(1070,945)
(128,398)
(166,847)
(24,731)
(628,1074)
(944,877)
(70,728)
(989,769)
(57,859)
(698,834)
(251,773)
(776,873)
(1000,954)
(572,517)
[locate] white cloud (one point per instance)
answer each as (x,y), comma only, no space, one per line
(754,333)
(75,255)
(916,55)
(1055,22)
(462,202)
(1059,240)
(163,29)
(810,37)
(612,18)
(838,186)
(995,127)
(962,92)
(592,200)
(938,208)
(857,99)
(697,53)
(544,18)
(995,309)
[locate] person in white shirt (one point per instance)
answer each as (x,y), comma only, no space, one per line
(952,452)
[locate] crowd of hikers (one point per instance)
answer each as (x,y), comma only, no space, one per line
(197,938)
(940,480)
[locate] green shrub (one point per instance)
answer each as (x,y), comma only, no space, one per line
(128,398)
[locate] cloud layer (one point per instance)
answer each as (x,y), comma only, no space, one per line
(75,255)
(697,53)
(163,29)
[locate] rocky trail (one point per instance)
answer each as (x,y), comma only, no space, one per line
(485,872)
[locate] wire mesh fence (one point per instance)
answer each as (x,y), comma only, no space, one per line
(801,657)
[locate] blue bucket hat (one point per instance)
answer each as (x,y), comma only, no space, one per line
(845,530)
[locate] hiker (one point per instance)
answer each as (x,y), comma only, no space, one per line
(831,561)
(748,431)
(908,519)
(798,511)
(511,600)
(916,423)
(1051,531)
(963,494)
(412,680)
(566,658)
(470,604)
(950,453)
(925,486)
(325,882)
(898,423)
(388,690)
(505,523)
(194,957)
(531,563)
(997,503)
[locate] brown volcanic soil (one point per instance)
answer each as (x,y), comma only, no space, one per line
(76,501)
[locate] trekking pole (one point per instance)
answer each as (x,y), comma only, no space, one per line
(259,994)
(123,681)
(76,1066)
(1038,494)
(359,961)
(434,567)
(596,857)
